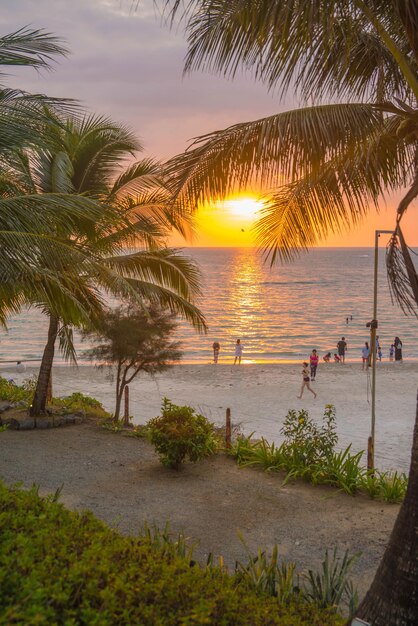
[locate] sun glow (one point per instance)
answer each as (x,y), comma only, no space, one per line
(242,207)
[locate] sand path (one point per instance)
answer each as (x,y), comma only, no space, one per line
(122,482)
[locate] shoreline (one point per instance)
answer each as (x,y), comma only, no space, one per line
(260,395)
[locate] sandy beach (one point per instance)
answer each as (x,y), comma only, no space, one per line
(121,481)
(259,396)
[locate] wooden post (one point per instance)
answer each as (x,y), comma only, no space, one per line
(126,413)
(370,454)
(228,429)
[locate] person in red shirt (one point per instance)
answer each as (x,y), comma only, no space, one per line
(313,360)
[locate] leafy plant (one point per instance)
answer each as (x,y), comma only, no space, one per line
(80,403)
(305,441)
(268,575)
(162,540)
(392,486)
(180,432)
(329,587)
(72,569)
(11,392)
(342,469)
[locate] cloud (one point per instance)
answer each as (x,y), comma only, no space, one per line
(126,63)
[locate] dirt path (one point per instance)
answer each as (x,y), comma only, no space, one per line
(121,481)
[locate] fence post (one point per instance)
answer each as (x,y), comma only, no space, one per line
(228,429)
(126,413)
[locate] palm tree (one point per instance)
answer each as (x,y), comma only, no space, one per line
(135,209)
(28,240)
(323,165)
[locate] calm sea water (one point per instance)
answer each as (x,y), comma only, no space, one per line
(279,313)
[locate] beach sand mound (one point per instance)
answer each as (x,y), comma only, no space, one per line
(121,480)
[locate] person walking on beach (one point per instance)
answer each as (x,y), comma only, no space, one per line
(398,349)
(391,352)
(365,352)
(313,361)
(238,351)
(305,381)
(216,347)
(342,348)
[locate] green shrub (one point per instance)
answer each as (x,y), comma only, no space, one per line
(180,433)
(66,568)
(308,452)
(304,441)
(80,403)
(11,392)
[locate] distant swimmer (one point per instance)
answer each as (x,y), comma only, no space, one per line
(20,367)
(238,351)
(305,381)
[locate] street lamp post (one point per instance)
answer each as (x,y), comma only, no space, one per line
(373,327)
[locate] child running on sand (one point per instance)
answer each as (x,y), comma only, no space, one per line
(305,381)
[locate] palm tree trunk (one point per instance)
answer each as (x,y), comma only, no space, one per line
(393,596)
(41,391)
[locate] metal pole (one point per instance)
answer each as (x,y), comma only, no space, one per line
(373,328)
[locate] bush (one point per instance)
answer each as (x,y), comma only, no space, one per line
(180,432)
(308,452)
(62,567)
(78,402)
(11,392)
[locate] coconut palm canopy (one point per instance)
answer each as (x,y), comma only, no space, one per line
(323,166)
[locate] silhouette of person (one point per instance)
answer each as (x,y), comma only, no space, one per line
(238,351)
(216,347)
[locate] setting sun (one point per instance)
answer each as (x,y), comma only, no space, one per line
(244,207)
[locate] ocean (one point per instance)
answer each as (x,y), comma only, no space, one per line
(280,313)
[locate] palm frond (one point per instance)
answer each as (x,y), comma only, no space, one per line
(328,48)
(30,47)
(282,147)
(402,275)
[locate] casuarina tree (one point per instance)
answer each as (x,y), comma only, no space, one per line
(133,340)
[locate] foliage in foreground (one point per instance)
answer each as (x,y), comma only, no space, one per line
(75,403)
(180,433)
(62,567)
(308,452)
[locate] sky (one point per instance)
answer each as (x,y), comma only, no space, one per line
(125,63)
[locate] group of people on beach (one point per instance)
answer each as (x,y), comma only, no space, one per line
(216,346)
(309,375)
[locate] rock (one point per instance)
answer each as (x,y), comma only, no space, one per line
(12,423)
(26,423)
(59,420)
(69,419)
(4,405)
(44,422)
(78,419)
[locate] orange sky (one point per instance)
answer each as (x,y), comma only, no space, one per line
(229,224)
